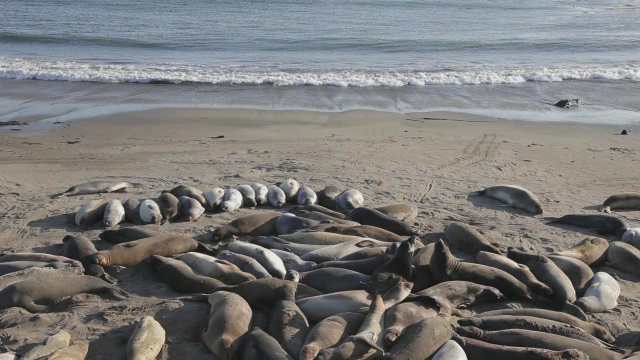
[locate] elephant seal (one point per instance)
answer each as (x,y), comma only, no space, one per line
(602,224)
(150,212)
(113,213)
(452,295)
(77,351)
(170,207)
(349,200)
(330,332)
(329,280)
(181,278)
(248,195)
(536,339)
(578,272)
(261,192)
(265,257)
(519,271)
(317,208)
(624,257)
(14,266)
(293,262)
(53,343)
(317,238)
(91,212)
(366,216)
(146,340)
(39,257)
(625,201)
(245,263)
(591,251)
(468,239)
(289,223)
(17,276)
(450,351)
(231,201)
(260,224)
(191,208)
(335,252)
(125,235)
(319,216)
(291,188)
(264,293)
(183,190)
(476,349)
(422,340)
(94,187)
(276,196)
(271,242)
(257,344)
(444,267)
(593,329)
(229,320)
(401,263)
(82,249)
(368,231)
(132,253)
(218,269)
(213,198)
(399,317)
(35,293)
(366,342)
(547,272)
(288,324)
(132,211)
(632,236)
(402,212)
(602,294)
(515,196)
(306,196)
(364,266)
(328,197)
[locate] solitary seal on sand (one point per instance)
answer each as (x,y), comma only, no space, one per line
(147,339)
(91,212)
(150,212)
(170,207)
(276,196)
(328,196)
(519,271)
(290,188)
(515,196)
(260,224)
(191,208)
(231,201)
(468,239)
(623,257)
(95,187)
(350,199)
(261,193)
(132,253)
(602,294)
(213,198)
(183,190)
(229,320)
(591,251)
(402,212)
(306,196)
(602,224)
(248,196)
(625,201)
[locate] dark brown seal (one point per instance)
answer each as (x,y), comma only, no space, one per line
(125,235)
(183,190)
(317,208)
(181,278)
(328,197)
(132,253)
(366,216)
(170,207)
(82,249)
(369,231)
(260,224)
(402,212)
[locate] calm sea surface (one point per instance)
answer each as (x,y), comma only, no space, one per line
(506,58)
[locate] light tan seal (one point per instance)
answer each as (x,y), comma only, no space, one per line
(624,257)
(222,270)
(290,188)
(91,212)
(422,340)
(51,344)
(132,253)
(402,212)
(288,324)
(330,332)
(515,196)
(519,271)
(95,187)
(146,340)
(624,201)
(578,272)
(229,320)
(260,224)
(306,196)
(591,251)
(468,239)
(77,351)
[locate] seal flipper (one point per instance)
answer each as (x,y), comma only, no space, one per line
(33,307)
(118,293)
(108,278)
(194,298)
(206,249)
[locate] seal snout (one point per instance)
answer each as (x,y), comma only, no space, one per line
(99,259)
(390,336)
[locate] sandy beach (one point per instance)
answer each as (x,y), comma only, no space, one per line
(432,160)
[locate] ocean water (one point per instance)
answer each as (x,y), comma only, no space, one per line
(504,58)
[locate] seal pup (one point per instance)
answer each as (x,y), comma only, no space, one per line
(519,271)
(327,197)
(260,224)
(632,237)
(265,257)
(306,196)
(91,212)
(209,266)
(113,213)
(170,207)
(245,263)
(257,344)
(288,324)
(181,278)
(468,239)
(578,272)
(349,200)
(132,211)
(132,253)
(476,349)
(248,196)
(423,339)
(53,343)
(35,294)
(330,332)
(288,223)
(183,190)
(150,212)
(402,212)
(77,351)
(399,317)
(290,188)
(213,198)
(329,280)
(95,187)
(146,340)
(276,196)
(231,201)
(366,216)
(368,231)
(261,193)
(229,320)
(82,249)
(602,224)
(191,208)
(591,251)
(602,294)
(625,201)
(125,235)
(515,196)
(547,272)
(293,262)
(624,257)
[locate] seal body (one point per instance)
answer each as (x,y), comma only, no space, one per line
(213,198)
(330,332)
(476,349)
(335,252)
(601,223)
(349,200)
(191,208)
(113,213)
(261,193)
(602,294)
(91,212)
(288,324)
(290,188)
(519,271)
(52,343)
(170,207)
(289,223)
(330,280)
(293,262)
(632,237)
(14,266)
(82,249)
(306,196)
(146,341)
(265,257)
(125,235)
(260,224)
(369,231)
(626,201)
(216,268)
(402,212)
(328,197)
(515,196)
(150,212)
(96,187)
(276,196)
(373,217)
(401,316)
(423,339)
(624,257)
(183,190)
(451,295)
(259,345)
(40,257)
(181,278)
(132,253)
(231,201)
(229,319)
(77,351)
(318,238)
(468,239)
(591,251)
(578,272)
(450,351)
(248,195)
(132,211)
(245,263)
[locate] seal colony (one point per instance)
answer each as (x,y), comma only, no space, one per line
(329,278)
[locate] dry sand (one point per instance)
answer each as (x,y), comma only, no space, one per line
(432,160)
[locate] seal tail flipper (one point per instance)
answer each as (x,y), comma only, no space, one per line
(551,219)
(34,308)
(56,195)
(206,249)
(476,193)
